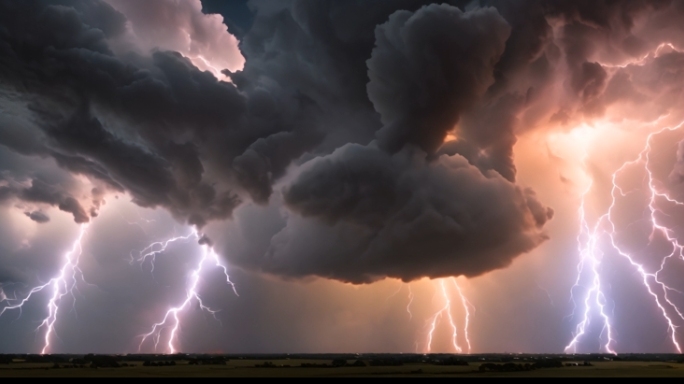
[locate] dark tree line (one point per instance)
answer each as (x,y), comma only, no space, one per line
(513,367)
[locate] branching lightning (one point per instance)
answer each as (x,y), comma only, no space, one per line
(446,311)
(151,251)
(589,241)
(65,283)
(70,276)
(171,318)
(466,305)
(590,261)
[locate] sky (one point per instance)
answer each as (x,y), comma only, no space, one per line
(272,176)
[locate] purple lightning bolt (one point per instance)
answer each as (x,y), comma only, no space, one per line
(63,284)
(591,254)
(447,310)
(171,318)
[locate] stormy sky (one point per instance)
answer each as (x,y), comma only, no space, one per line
(371,174)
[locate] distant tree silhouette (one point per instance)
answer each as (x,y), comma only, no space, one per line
(339,363)
(358,363)
(451,361)
(102,361)
(386,362)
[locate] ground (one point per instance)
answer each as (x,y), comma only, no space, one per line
(407,365)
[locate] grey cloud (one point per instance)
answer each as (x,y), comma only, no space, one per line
(72,205)
(305,132)
(350,204)
(427,67)
(317,78)
(38,216)
(41,192)
(321,77)
(157,169)
(323,150)
(400,210)
(402,217)
(589,81)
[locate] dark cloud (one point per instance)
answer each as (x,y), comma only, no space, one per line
(399,210)
(427,67)
(156,169)
(93,87)
(41,192)
(589,83)
(512,88)
(402,217)
(72,205)
(317,78)
(38,216)
(325,157)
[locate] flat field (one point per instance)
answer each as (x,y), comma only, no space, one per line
(292,368)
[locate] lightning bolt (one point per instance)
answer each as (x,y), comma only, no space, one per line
(410,298)
(65,283)
(151,251)
(590,261)
(410,301)
(213,69)
(591,254)
(61,287)
(70,276)
(446,309)
(466,307)
(171,318)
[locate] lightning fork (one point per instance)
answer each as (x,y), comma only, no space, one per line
(171,318)
(606,226)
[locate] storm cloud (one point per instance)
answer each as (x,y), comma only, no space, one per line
(382,132)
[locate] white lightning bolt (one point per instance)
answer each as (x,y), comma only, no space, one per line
(63,284)
(590,252)
(171,318)
(447,310)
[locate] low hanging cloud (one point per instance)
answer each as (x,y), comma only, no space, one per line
(38,216)
(394,207)
(400,216)
(333,113)
(40,192)
(130,143)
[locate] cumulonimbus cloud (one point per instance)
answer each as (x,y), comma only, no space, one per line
(342,110)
